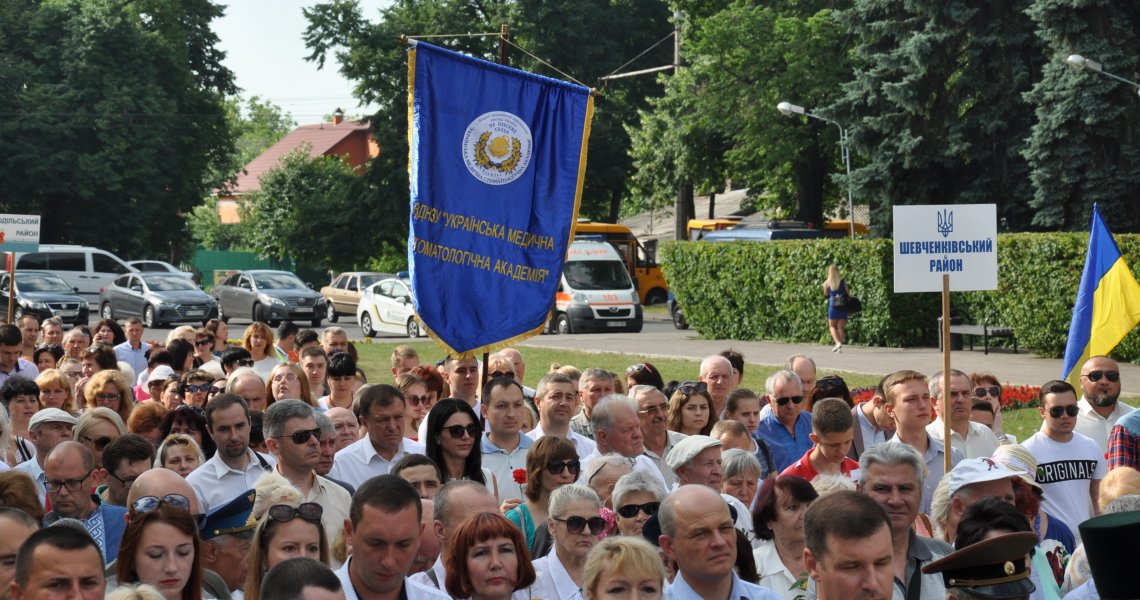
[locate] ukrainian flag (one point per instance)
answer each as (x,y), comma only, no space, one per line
(1108,302)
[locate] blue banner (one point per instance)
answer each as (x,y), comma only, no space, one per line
(496,162)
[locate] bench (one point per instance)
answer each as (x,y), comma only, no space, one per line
(986,331)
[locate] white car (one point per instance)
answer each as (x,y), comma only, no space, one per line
(159,266)
(386,307)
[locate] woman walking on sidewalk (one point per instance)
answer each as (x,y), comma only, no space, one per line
(834,287)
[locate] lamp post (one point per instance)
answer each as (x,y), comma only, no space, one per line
(1080,63)
(788,109)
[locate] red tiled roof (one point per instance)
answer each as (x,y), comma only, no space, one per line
(321,138)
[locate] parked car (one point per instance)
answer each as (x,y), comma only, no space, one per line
(386,307)
(342,296)
(159,266)
(269,297)
(676,312)
(44,295)
(158,299)
(84,268)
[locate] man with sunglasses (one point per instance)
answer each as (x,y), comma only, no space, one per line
(787,429)
(1100,392)
(294,439)
(1070,465)
(504,446)
(69,475)
(973,440)
(235,467)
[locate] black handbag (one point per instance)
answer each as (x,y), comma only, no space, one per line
(851,304)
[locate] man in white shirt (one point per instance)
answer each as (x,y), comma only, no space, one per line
(617,429)
(658,439)
(235,467)
(452,504)
(294,439)
(381,409)
(1069,465)
(504,447)
(133,351)
(383,529)
(557,399)
(1099,405)
(973,440)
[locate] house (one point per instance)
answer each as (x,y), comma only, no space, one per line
(348,139)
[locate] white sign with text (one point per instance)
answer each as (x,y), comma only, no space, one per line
(19,233)
(959,240)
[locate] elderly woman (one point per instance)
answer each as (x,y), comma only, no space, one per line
(551,463)
(96,428)
(110,389)
(602,473)
(21,398)
(779,519)
(575,523)
(56,391)
(741,476)
(690,409)
(487,559)
(623,567)
(287,527)
(636,497)
(179,453)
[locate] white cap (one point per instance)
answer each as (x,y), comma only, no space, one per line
(979,470)
(160,373)
(51,415)
(688,449)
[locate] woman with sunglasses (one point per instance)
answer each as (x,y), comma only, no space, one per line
(453,436)
(551,463)
(160,548)
(96,428)
(110,389)
(287,527)
(690,409)
(575,524)
(487,560)
(985,386)
(417,402)
(636,497)
(288,381)
(46,356)
(779,519)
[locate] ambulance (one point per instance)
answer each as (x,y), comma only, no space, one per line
(595,293)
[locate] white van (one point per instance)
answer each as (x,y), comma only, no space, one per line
(82,267)
(596,292)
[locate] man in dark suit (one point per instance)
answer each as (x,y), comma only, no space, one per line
(872,424)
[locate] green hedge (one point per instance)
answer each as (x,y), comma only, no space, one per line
(772,291)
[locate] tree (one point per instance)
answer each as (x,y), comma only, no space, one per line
(114,119)
(256,125)
(1085,145)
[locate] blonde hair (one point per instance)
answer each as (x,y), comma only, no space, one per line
(177,439)
(833,279)
(273,489)
(179,333)
(56,377)
(627,555)
(940,509)
(1121,481)
(136,591)
(99,382)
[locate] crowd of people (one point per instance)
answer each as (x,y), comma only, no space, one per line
(276,468)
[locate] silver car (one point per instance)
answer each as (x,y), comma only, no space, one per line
(269,297)
(157,298)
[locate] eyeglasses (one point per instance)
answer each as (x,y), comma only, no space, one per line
(792,399)
(126,483)
(981,391)
(72,485)
(100,442)
(196,387)
(575,525)
(1094,376)
(456,431)
(302,436)
(283,513)
(419,400)
(693,387)
(244,362)
(147,504)
(1070,410)
(506,374)
(205,342)
(556,466)
(108,397)
(285,375)
(213,390)
(653,410)
(73,374)
(629,511)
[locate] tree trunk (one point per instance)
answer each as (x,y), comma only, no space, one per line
(683,210)
(809,171)
(615,206)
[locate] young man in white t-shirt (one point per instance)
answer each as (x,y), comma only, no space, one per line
(1069,465)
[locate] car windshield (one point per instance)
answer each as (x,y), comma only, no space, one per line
(597,275)
(41,282)
(278,281)
(367,280)
(169,284)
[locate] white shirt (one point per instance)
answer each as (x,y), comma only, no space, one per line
(24,368)
(582,444)
(36,472)
(980,443)
(264,367)
(502,465)
(1065,472)
(552,582)
(216,483)
(358,462)
(1092,425)
(774,575)
(415,591)
(438,569)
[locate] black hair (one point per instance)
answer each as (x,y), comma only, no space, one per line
(127,447)
(18,386)
(10,335)
(414,460)
(192,416)
(498,382)
(179,350)
(63,538)
(646,375)
(231,355)
(51,349)
(440,413)
(341,364)
(286,329)
(388,493)
(374,394)
(307,336)
(118,336)
(987,515)
(287,579)
(844,514)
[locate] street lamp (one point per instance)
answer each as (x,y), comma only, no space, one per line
(788,109)
(1080,63)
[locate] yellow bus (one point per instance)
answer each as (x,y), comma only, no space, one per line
(642,264)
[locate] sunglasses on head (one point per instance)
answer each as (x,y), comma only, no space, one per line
(629,511)
(556,466)
(507,374)
(147,504)
(981,391)
(283,513)
(244,362)
(630,370)
(1094,376)
(575,525)
(457,431)
(100,442)
(793,399)
(829,382)
(302,436)
(692,387)
(1070,410)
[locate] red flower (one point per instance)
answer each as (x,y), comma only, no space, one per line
(519,475)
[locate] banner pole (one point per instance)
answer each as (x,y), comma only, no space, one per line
(11,257)
(504,35)
(944,409)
